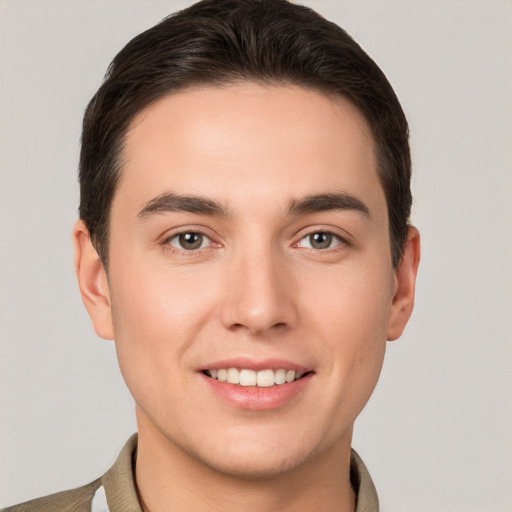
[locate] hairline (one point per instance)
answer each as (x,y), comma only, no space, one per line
(102,245)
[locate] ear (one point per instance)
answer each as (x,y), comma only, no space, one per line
(405,282)
(93,282)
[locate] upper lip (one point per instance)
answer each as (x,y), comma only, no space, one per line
(255,365)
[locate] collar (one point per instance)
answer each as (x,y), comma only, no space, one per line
(117,492)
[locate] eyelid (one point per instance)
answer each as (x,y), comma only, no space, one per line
(339,241)
(176,236)
(178,231)
(343,238)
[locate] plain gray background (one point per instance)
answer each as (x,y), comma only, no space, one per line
(437,433)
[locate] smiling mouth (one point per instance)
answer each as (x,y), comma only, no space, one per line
(262,379)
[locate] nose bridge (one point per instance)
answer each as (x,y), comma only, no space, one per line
(259,296)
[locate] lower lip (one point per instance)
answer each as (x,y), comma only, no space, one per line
(255,398)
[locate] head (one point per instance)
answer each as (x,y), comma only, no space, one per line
(245,176)
(216,43)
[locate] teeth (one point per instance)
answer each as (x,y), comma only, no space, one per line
(247,378)
(262,379)
(233,376)
(290,375)
(265,378)
(280,376)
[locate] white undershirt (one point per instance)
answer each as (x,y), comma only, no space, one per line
(99,501)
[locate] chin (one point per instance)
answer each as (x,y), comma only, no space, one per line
(258,453)
(254,466)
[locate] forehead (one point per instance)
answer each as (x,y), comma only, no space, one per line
(248,138)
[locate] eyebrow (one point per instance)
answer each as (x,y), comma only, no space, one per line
(326,202)
(179,203)
(170,202)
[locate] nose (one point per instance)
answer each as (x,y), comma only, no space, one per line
(259,296)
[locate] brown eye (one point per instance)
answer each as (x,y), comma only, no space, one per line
(320,240)
(189,241)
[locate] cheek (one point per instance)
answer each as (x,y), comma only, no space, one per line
(156,317)
(151,304)
(355,303)
(350,314)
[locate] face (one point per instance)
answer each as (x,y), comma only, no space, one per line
(250,291)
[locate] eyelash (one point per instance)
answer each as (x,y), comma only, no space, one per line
(332,237)
(206,241)
(204,238)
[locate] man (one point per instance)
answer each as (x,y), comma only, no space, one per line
(244,239)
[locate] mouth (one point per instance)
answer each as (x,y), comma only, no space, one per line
(257,385)
(246,377)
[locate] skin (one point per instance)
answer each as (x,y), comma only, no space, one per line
(256,289)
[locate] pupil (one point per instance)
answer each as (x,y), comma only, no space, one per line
(320,240)
(191,241)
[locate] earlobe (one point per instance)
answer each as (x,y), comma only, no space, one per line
(405,282)
(93,282)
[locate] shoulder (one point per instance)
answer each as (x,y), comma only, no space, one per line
(118,484)
(74,500)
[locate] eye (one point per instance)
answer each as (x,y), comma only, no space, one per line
(189,241)
(320,240)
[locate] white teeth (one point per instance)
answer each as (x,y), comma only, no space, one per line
(233,376)
(247,378)
(266,378)
(262,379)
(280,376)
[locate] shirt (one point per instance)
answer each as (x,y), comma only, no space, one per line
(115,491)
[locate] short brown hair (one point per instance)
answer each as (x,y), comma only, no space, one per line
(215,42)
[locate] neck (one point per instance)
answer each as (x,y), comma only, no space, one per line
(168,478)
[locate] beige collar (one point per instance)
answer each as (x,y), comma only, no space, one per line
(118,484)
